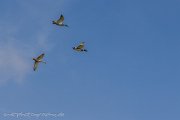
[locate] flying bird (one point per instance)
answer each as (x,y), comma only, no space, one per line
(38,60)
(80,47)
(60,21)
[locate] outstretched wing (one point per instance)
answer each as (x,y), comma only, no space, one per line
(81,45)
(40,57)
(35,65)
(61,19)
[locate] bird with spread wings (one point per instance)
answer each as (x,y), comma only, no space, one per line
(60,21)
(80,47)
(38,60)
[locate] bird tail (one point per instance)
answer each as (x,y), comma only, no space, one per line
(66,25)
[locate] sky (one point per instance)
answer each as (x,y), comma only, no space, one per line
(130,72)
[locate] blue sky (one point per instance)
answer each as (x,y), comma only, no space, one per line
(130,72)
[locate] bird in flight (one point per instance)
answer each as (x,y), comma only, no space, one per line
(60,21)
(38,60)
(80,47)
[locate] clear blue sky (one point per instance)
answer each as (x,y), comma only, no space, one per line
(130,72)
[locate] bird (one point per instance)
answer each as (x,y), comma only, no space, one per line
(60,21)
(38,60)
(80,47)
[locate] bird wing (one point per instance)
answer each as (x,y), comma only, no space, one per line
(35,65)
(40,57)
(81,45)
(61,19)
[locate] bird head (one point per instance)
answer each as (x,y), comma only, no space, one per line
(74,48)
(53,22)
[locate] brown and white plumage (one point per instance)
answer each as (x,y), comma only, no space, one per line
(38,60)
(80,47)
(60,21)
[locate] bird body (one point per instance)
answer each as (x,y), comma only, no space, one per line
(80,47)
(38,60)
(60,21)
